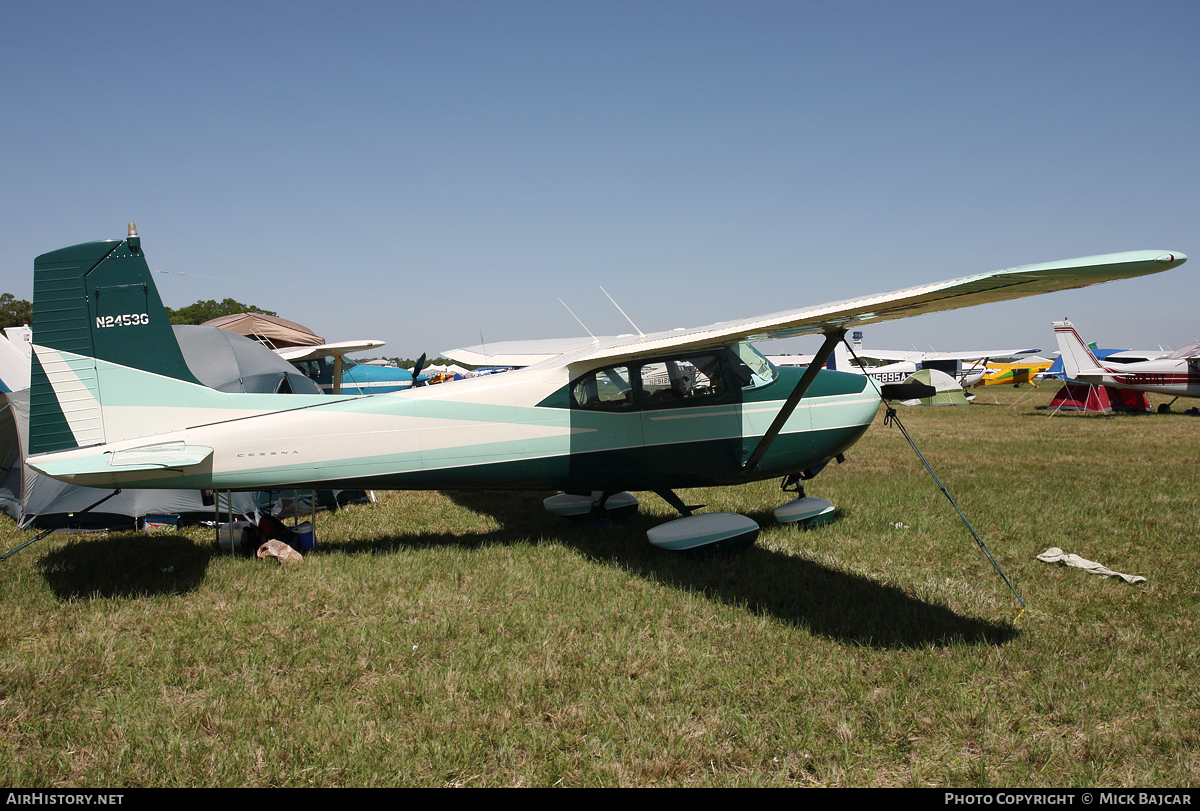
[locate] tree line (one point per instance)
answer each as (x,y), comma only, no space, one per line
(15,312)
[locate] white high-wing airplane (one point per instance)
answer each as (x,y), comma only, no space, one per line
(1176,373)
(328,366)
(908,363)
(114,405)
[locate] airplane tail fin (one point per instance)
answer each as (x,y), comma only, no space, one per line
(92,303)
(840,360)
(1078,360)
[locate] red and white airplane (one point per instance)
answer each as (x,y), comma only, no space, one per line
(1176,373)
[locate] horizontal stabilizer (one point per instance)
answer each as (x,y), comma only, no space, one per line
(95,469)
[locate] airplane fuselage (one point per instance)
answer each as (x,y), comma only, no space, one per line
(522,429)
(1174,377)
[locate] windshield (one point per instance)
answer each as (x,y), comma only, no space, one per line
(753,370)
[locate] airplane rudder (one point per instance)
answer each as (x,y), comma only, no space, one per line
(129,324)
(99,300)
(61,324)
(60,312)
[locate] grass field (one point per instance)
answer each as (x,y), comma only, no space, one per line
(466,639)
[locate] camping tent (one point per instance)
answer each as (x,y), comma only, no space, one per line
(948,390)
(227,361)
(269,330)
(1075,396)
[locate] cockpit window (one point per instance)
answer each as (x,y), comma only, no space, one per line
(652,384)
(310,368)
(674,380)
(608,389)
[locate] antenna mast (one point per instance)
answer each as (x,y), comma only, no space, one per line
(595,340)
(618,306)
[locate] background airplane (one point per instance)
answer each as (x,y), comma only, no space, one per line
(1176,373)
(966,367)
(1013,374)
(328,366)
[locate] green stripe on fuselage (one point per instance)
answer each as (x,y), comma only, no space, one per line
(616,469)
(598,450)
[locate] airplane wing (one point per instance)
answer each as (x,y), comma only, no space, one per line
(518,353)
(299,353)
(1190,352)
(1000,285)
(917,357)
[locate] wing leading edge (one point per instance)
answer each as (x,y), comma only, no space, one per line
(968,291)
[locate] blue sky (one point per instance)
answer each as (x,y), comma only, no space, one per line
(424,173)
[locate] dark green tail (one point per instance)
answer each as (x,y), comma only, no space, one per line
(96,301)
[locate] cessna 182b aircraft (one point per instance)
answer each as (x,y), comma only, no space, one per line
(113,403)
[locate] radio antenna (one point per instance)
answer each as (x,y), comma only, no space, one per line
(595,340)
(618,306)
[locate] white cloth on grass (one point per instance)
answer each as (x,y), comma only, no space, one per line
(1056,555)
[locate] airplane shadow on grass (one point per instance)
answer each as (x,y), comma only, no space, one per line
(828,602)
(127,565)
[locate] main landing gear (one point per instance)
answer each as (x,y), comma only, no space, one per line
(723,533)
(802,510)
(727,533)
(598,505)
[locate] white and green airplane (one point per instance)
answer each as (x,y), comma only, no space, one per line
(113,403)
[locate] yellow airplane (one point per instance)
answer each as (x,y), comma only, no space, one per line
(1013,374)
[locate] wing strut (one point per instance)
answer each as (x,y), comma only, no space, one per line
(831,340)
